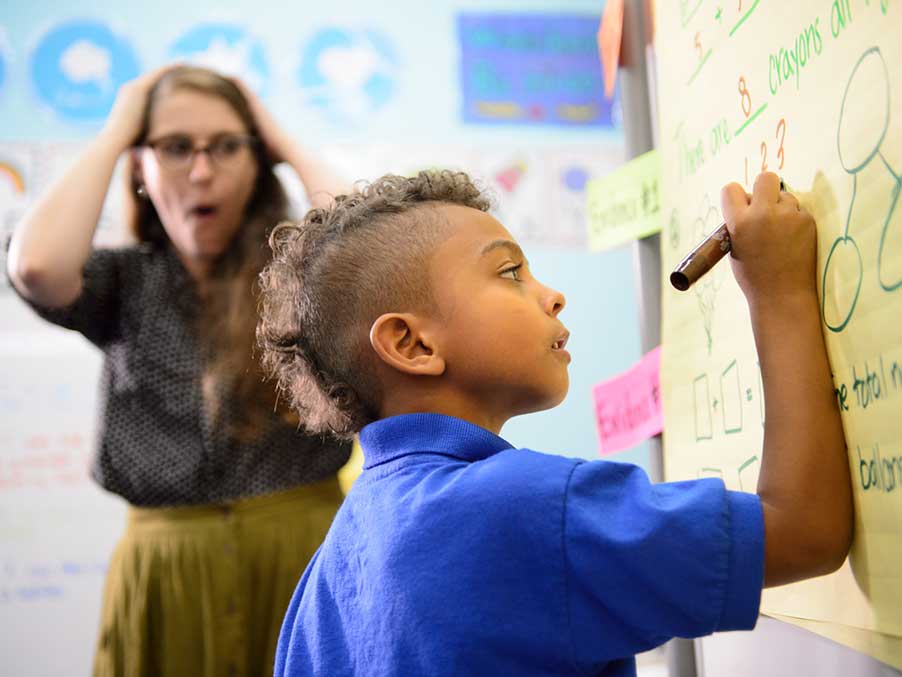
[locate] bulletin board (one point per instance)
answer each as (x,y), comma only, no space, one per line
(810,90)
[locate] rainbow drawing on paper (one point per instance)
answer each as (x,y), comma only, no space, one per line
(13,177)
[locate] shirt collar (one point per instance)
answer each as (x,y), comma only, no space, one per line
(397,436)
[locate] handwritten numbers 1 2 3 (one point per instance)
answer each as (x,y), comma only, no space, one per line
(780,137)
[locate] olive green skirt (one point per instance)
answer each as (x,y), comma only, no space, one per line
(202,591)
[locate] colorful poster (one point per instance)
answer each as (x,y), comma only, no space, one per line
(531,69)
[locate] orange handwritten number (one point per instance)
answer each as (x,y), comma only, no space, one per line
(781,135)
(698,45)
(763,156)
(745,98)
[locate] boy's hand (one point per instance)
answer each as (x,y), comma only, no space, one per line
(774,243)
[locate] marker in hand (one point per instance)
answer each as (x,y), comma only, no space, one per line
(702,259)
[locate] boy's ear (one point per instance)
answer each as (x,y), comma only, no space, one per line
(401,342)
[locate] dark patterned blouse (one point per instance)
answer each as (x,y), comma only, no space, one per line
(155,445)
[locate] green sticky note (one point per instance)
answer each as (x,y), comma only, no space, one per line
(625,205)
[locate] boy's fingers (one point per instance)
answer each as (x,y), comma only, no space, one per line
(733,199)
(790,199)
(767,187)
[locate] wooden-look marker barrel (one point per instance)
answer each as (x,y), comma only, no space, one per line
(702,259)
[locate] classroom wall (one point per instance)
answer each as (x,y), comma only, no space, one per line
(405,112)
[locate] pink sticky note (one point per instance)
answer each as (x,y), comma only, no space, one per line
(628,406)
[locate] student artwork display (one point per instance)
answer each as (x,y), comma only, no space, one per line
(538,193)
(807,91)
(14,166)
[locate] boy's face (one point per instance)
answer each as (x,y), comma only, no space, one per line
(500,336)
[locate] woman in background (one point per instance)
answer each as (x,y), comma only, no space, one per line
(228,499)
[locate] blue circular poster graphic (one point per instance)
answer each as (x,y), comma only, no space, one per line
(77,69)
(348,74)
(575,178)
(226,48)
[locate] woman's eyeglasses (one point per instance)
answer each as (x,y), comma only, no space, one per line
(176,152)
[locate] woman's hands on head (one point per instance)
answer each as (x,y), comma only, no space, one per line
(124,121)
(276,141)
(320,182)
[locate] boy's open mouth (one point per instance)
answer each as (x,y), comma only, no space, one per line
(561,341)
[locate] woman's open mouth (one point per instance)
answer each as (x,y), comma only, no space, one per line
(204,211)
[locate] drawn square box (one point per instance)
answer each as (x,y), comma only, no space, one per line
(710,472)
(748,474)
(731,399)
(704,428)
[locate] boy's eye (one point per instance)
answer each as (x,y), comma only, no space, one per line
(513,272)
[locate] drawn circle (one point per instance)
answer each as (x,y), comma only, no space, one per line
(889,286)
(865,110)
(227,49)
(839,323)
(575,178)
(77,69)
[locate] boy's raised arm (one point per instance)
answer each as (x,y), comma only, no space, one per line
(804,484)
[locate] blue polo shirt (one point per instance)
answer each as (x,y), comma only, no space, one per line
(456,554)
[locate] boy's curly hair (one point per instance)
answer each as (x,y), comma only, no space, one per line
(333,274)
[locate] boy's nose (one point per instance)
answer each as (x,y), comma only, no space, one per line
(554,302)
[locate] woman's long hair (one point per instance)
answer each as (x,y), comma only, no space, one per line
(235,393)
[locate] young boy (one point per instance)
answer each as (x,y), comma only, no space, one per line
(407,313)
